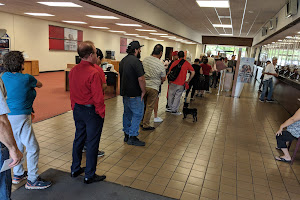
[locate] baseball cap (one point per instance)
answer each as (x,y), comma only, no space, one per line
(134,45)
(174,53)
(99,53)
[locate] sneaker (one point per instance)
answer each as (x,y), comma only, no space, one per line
(100,153)
(126,136)
(176,113)
(192,99)
(270,101)
(95,178)
(168,110)
(84,149)
(39,184)
(158,119)
(133,140)
(17,179)
(150,128)
(261,100)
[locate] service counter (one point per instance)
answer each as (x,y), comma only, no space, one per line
(31,67)
(286,91)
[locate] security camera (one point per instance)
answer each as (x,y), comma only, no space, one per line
(2,32)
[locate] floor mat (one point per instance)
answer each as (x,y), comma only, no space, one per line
(65,188)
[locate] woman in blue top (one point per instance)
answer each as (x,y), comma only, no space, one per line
(284,137)
(20,96)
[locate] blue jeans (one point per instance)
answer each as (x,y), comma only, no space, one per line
(267,84)
(133,115)
(5,177)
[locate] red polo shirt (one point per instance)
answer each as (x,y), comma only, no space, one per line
(86,81)
(182,75)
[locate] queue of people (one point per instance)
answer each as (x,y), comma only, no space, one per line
(140,89)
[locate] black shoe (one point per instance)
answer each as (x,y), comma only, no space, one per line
(95,178)
(133,140)
(126,137)
(80,171)
(100,153)
(270,101)
(150,128)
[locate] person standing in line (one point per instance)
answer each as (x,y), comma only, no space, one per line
(133,89)
(103,79)
(262,78)
(232,64)
(206,68)
(213,75)
(155,75)
(268,81)
(226,61)
(20,96)
(8,147)
(176,87)
(220,65)
(87,101)
(195,82)
(174,58)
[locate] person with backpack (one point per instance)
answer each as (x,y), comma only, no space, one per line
(177,78)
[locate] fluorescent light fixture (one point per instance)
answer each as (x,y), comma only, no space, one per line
(1,4)
(102,17)
(289,37)
(273,42)
(145,30)
(214,4)
(156,40)
(227,34)
(299,32)
(222,25)
(99,27)
(120,24)
(168,36)
(117,31)
(178,40)
(224,17)
(279,40)
(60,4)
(131,34)
(74,22)
(158,34)
(40,14)
(142,36)
(151,38)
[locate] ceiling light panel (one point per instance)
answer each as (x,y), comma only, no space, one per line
(60,4)
(1,4)
(213,4)
(227,34)
(142,36)
(40,14)
(113,31)
(136,25)
(99,27)
(102,17)
(222,25)
(158,34)
(145,30)
(132,34)
(74,22)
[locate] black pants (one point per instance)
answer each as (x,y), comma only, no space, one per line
(88,131)
(216,77)
(285,137)
(193,86)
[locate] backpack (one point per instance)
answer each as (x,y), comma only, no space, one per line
(175,71)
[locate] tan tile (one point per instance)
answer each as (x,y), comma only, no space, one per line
(165,174)
(211,185)
(173,193)
(194,189)
(150,170)
(145,177)
(156,189)
(111,177)
(245,193)
(195,181)
(160,181)
(189,196)
(182,170)
(131,173)
(228,189)
(141,185)
(169,167)
(226,196)
(208,193)
(117,170)
(197,174)
(176,185)
(179,177)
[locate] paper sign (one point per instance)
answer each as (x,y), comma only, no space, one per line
(7,162)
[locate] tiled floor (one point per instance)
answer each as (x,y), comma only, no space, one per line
(227,154)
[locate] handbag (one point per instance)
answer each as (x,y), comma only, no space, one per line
(201,77)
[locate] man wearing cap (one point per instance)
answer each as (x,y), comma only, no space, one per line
(175,57)
(133,89)
(87,100)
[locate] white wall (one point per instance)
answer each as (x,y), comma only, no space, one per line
(31,35)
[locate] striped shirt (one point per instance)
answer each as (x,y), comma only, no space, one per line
(154,71)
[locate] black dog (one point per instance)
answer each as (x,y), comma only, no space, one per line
(192,111)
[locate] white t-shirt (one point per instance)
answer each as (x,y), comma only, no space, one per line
(269,69)
(154,71)
(212,62)
(3,105)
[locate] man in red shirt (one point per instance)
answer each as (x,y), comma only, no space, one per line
(176,87)
(87,100)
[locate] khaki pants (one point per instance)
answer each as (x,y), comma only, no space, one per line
(149,100)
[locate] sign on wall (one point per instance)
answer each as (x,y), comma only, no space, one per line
(66,39)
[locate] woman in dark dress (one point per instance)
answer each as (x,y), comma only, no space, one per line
(195,82)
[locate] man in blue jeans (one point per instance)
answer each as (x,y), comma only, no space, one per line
(268,81)
(8,147)
(133,89)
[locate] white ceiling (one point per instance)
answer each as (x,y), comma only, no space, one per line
(188,12)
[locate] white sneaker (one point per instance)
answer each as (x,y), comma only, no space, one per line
(168,110)
(176,113)
(158,119)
